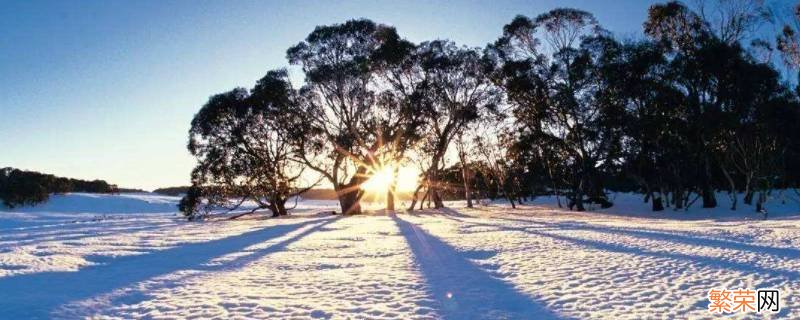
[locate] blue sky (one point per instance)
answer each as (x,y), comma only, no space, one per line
(106,89)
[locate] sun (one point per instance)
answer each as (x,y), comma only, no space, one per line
(381,180)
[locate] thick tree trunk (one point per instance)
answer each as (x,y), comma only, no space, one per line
(274,209)
(433,178)
(434,189)
(658,203)
(390,199)
(577,200)
(709,199)
(278,207)
(425,197)
(350,194)
(678,199)
(579,203)
(437,199)
(748,196)
(281,205)
(350,203)
(762,198)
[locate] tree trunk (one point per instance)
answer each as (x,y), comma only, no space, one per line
(434,189)
(509,197)
(273,207)
(390,192)
(390,199)
(281,206)
(709,199)
(437,199)
(467,191)
(658,204)
(579,203)
(425,197)
(762,198)
(350,194)
(433,178)
(558,197)
(578,197)
(428,197)
(349,202)
(678,198)
(414,197)
(732,186)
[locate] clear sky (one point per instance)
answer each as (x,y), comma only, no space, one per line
(106,89)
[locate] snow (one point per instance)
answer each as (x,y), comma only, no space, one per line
(131,256)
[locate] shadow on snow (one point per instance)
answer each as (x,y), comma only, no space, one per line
(461,289)
(675,237)
(35,296)
(711,262)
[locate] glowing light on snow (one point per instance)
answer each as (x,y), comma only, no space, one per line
(449,295)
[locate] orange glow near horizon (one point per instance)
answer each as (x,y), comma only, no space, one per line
(381,180)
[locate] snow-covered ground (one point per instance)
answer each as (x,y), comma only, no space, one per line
(131,256)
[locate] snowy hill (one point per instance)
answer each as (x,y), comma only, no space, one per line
(105,203)
(76,207)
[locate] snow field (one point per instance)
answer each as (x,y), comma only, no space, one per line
(534,262)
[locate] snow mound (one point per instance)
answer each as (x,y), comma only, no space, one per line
(82,207)
(105,203)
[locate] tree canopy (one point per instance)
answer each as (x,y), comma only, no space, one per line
(556,105)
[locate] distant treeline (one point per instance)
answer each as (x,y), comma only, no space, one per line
(172,191)
(21,188)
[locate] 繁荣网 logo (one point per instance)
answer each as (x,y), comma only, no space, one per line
(743,300)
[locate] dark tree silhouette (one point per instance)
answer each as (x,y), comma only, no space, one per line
(555,106)
(552,97)
(456,92)
(27,188)
(354,121)
(242,143)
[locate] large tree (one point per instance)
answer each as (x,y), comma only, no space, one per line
(455,92)
(354,121)
(242,143)
(552,93)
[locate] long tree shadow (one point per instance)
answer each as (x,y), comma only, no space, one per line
(461,289)
(34,296)
(711,262)
(675,237)
(76,234)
